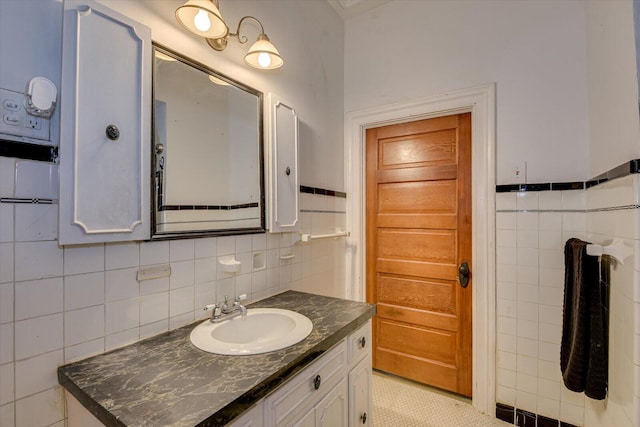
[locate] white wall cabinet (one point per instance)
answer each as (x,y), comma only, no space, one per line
(283,176)
(105,126)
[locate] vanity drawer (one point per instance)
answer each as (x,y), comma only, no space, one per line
(306,388)
(359,344)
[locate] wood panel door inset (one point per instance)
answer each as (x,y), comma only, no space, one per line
(418,178)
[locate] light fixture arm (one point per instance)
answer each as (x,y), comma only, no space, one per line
(243,39)
(221,43)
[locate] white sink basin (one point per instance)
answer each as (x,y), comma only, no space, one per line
(262,330)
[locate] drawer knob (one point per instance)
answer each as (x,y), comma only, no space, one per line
(316,382)
(363,418)
(363,342)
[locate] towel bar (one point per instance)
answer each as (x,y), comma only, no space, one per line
(307,237)
(616,249)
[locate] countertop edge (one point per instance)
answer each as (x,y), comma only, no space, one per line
(90,404)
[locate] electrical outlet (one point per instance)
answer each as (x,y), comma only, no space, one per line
(519,173)
(33,122)
(17,124)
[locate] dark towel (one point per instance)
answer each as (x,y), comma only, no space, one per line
(583,352)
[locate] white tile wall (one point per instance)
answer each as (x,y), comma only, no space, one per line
(59,305)
(319,265)
(622,406)
(531,230)
(530,293)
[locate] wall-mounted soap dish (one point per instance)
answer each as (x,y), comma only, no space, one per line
(229,265)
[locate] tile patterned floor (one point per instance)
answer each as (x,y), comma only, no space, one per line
(402,403)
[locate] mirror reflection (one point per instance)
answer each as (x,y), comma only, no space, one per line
(207,142)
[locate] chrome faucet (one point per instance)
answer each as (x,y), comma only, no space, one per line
(223,311)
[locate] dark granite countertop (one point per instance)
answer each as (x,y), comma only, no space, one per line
(166,381)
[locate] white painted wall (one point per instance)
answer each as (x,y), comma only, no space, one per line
(23,48)
(308,34)
(62,304)
(535,52)
(613,85)
(614,140)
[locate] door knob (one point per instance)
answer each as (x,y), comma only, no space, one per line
(463,274)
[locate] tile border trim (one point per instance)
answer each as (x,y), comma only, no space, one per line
(523,418)
(322,191)
(35,201)
(28,151)
(628,168)
(207,207)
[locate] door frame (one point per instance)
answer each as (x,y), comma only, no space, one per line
(481,102)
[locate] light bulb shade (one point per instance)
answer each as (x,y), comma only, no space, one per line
(203,18)
(264,55)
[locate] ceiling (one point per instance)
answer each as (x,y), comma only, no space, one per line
(350,8)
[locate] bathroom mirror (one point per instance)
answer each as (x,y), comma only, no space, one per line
(207,149)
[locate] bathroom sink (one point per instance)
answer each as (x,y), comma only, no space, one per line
(262,330)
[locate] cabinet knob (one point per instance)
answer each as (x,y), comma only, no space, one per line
(363,342)
(316,382)
(363,418)
(287,171)
(113,133)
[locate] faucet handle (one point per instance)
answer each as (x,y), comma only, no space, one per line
(216,309)
(241,298)
(210,306)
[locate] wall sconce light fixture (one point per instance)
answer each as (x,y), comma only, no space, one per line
(202,17)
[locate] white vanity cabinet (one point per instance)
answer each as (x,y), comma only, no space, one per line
(283,212)
(105,126)
(343,394)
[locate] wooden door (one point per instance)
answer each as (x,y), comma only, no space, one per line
(418,177)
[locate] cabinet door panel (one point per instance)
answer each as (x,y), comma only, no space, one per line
(332,410)
(360,394)
(284,185)
(105,126)
(307,419)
